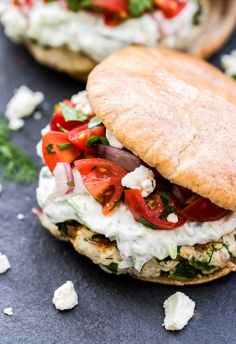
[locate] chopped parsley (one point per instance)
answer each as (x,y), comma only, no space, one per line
(138,7)
(71,114)
(64,146)
(113,267)
(97,139)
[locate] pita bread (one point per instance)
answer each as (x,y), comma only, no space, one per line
(174,111)
(103,252)
(216,30)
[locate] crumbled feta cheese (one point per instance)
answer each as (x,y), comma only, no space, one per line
(39,148)
(16,124)
(21,105)
(82,103)
(229,63)
(142,179)
(8,311)
(172,218)
(0,188)
(4,263)
(179,309)
(65,297)
(37,115)
(20,216)
(112,140)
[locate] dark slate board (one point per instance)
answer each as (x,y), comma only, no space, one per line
(111,309)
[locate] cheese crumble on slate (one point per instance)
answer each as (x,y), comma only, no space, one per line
(4,263)
(65,297)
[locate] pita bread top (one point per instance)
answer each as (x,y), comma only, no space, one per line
(176,112)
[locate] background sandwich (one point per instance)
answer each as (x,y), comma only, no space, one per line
(141,168)
(72,36)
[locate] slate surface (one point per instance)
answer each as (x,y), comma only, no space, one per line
(111,309)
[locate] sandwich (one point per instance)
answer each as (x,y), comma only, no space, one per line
(73,36)
(140,169)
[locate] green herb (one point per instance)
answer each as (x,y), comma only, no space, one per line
(62,129)
(62,227)
(70,183)
(202,266)
(166,198)
(197,224)
(138,7)
(18,167)
(198,14)
(49,149)
(234,77)
(184,271)
(113,267)
(76,5)
(71,114)
(147,223)
(64,146)
(94,122)
(97,139)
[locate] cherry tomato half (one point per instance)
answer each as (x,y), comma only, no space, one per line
(202,210)
(57,148)
(58,121)
(79,136)
(171,8)
(102,178)
(144,211)
(114,6)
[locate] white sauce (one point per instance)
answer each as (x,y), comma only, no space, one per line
(52,25)
(136,243)
(179,309)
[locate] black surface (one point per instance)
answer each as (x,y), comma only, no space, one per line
(111,309)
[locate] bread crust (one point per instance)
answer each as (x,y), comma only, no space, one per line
(176,112)
(98,253)
(216,30)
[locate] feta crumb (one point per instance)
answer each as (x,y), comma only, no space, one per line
(16,124)
(142,179)
(20,216)
(39,148)
(179,309)
(172,218)
(4,263)
(229,63)
(21,105)
(113,140)
(65,297)
(8,311)
(37,115)
(0,188)
(82,103)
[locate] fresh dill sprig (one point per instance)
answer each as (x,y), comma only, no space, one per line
(17,166)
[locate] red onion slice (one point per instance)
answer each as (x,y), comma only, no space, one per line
(121,157)
(64,178)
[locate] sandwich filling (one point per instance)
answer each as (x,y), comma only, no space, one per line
(97,28)
(92,181)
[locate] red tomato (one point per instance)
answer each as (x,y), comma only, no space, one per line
(79,136)
(171,8)
(203,210)
(102,178)
(114,6)
(145,211)
(57,148)
(58,120)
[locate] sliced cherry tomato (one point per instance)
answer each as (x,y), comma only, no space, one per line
(143,211)
(58,121)
(171,8)
(202,210)
(57,148)
(102,178)
(79,136)
(114,6)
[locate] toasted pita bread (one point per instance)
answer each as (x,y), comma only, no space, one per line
(176,112)
(102,253)
(216,30)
